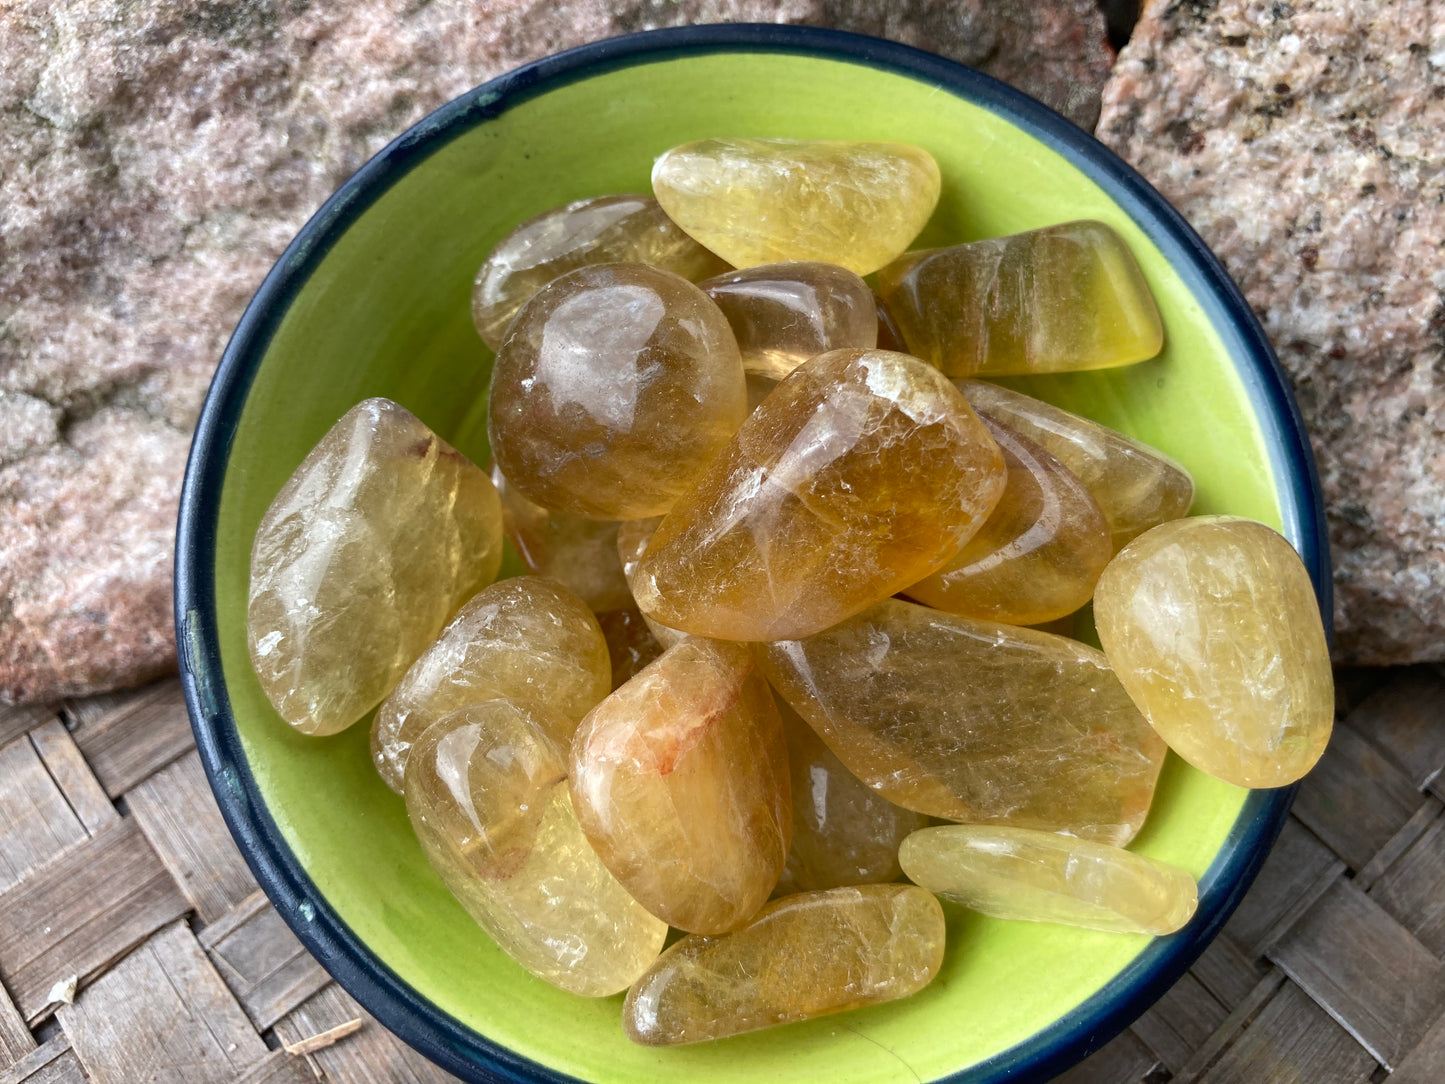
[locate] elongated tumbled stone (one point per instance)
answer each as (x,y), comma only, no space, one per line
(1136,486)
(975,721)
(615,387)
(488,800)
(863,472)
(803,956)
(370,546)
(527,639)
(785,313)
(1042,877)
(604,229)
(1059,299)
(1037,557)
(680,780)
(1213,627)
(759,201)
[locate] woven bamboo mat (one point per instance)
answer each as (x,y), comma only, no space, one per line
(135,947)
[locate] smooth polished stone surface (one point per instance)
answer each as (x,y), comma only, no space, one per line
(370,546)
(605,229)
(760,201)
(629,641)
(1059,299)
(863,472)
(1042,877)
(680,780)
(975,721)
(527,639)
(487,796)
(802,957)
(1213,627)
(785,313)
(1039,554)
(1137,486)
(615,387)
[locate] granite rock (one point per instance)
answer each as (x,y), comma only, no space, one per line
(1303,140)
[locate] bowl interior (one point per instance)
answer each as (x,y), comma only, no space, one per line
(385,312)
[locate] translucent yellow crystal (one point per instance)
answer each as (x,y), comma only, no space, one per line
(1041,877)
(488,801)
(803,956)
(370,546)
(525,639)
(1136,486)
(975,721)
(757,201)
(615,387)
(1213,627)
(1059,299)
(605,229)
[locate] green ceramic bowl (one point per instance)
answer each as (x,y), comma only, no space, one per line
(372,299)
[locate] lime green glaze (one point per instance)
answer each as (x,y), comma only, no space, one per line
(387,314)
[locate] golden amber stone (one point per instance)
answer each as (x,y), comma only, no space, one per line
(1213,627)
(1042,877)
(525,639)
(1136,486)
(975,721)
(785,313)
(680,780)
(863,472)
(615,387)
(803,956)
(629,641)
(1037,557)
(757,201)
(1059,299)
(605,229)
(843,833)
(487,798)
(370,546)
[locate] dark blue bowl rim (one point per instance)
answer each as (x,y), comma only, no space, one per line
(441,1037)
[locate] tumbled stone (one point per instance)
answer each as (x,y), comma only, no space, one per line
(487,797)
(863,472)
(1136,486)
(785,313)
(975,721)
(1213,626)
(843,833)
(802,957)
(761,201)
(579,553)
(370,546)
(1042,877)
(630,643)
(1058,299)
(680,780)
(1037,557)
(526,639)
(604,229)
(615,387)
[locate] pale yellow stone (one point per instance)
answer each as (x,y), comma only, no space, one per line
(1213,627)
(365,553)
(760,201)
(1041,877)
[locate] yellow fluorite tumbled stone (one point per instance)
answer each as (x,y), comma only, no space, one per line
(1213,627)
(487,796)
(863,472)
(803,956)
(1059,299)
(527,639)
(757,201)
(370,546)
(975,721)
(1041,877)
(604,229)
